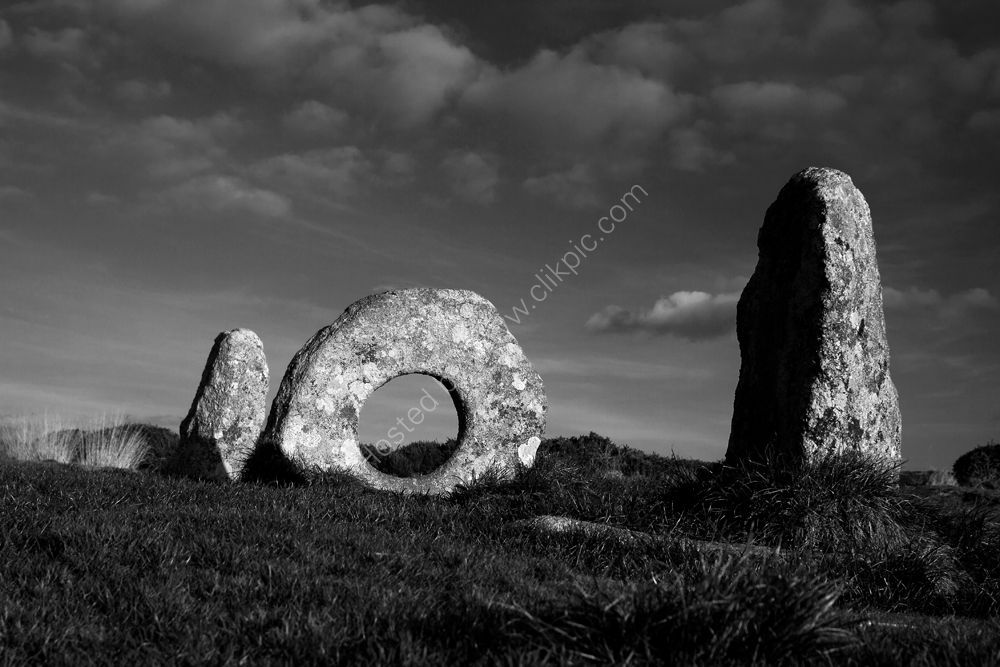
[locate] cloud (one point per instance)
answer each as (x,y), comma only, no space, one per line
(101,199)
(419,70)
(762,98)
(6,35)
(64,44)
(572,188)
(985,120)
(397,168)
(217,193)
(693,316)
(646,47)
(914,299)
(313,117)
(13,192)
(138,91)
(590,368)
(472,176)
(374,58)
(689,149)
(342,171)
(171,147)
(840,19)
(572,100)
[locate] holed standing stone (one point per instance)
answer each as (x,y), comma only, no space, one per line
(228,412)
(814,379)
(455,336)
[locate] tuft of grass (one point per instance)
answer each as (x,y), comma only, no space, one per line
(840,503)
(727,611)
(111,443)
(105,442)
(35,438)
(922,575)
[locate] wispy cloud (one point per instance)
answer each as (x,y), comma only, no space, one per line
(217,193)
(942,305)
(597,368)
(690,315)
(472,176)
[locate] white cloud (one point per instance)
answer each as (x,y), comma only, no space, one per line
(217,193)
(313,117)
(140,90)
(172,147)
(645,47)
(774,97)
(985,120)
(472,177)
(14,192)
(422,69)
(572,188)
(397,168)
(101,199)
(64,44)
(372,58)
(842,19)
(689,149)
(340,171)
(604,367)
(690,315)
(572,100)
(6,35)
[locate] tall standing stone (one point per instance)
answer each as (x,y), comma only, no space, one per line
(228,411)
(814,379)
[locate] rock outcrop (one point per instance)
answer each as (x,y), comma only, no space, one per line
(814,379)
(455,336)
(227,415)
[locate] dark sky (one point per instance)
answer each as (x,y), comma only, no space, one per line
(170,169)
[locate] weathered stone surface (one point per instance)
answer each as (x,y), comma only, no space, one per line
(814,379)
(455,336)
(228,411)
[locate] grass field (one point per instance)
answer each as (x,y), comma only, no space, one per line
(121,567)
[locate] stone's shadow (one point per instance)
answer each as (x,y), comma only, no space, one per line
(267,464)
(196,458)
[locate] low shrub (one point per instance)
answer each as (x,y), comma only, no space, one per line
(979,467)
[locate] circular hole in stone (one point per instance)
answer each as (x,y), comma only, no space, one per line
(409,426)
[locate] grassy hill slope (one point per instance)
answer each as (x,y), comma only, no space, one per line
(134,568)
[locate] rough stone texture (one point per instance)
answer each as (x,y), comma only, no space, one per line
(228,411)
(455,336)
(814,379)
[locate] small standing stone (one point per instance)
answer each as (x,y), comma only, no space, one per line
(228,411)
(814,379)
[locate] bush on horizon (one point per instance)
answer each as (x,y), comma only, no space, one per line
(980,466)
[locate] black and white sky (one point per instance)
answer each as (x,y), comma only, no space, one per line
(173,168)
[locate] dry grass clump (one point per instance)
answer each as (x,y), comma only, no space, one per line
(35,438)
(107,441)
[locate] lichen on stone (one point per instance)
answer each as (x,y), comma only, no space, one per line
(814,379)
(455,336)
